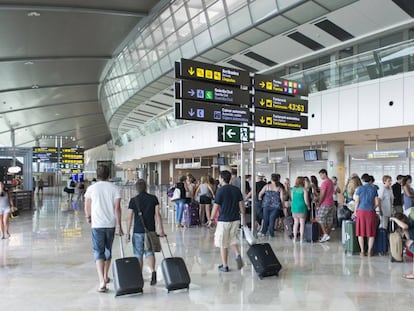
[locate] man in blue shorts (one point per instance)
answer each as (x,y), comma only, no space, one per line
(144,209)
(103,212)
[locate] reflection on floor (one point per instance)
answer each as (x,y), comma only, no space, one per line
(47,264)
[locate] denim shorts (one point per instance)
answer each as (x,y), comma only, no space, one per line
(102,239)
(138,246)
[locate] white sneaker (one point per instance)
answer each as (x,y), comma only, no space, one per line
(328,237)
(324,238)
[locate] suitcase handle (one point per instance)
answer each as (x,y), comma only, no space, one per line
(121,246)
(169,248)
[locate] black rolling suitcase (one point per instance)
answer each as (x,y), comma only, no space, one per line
(175,272)
(264,260)
(127,274)
(311,229)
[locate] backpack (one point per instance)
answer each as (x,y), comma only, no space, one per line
(170,192)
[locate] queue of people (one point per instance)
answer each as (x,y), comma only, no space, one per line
(222,203)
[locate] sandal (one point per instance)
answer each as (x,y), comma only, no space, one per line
(108,280)
(103,289)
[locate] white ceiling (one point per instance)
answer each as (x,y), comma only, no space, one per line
(51,65)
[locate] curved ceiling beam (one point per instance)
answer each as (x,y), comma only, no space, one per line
(70,9)
(50,121)
(80,128)
(51,105)
(53,58)
(37,87)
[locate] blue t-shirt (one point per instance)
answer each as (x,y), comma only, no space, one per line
(228,197)
(367,194)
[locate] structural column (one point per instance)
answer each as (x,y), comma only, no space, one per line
(336,162)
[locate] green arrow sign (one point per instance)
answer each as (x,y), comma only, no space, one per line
(236,134)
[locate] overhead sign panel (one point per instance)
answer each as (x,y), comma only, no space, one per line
(280,102)
(280,86)
(236,134)
(211,112)
(195,90)
(281,120)
(45,154)
(193,70)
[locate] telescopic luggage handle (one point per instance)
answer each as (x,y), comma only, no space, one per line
(169,248)
(121,246)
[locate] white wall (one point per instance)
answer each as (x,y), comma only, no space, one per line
(350,108)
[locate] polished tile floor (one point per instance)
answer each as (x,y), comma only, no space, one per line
(47,264)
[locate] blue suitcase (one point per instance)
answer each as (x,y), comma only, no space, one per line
(381,242)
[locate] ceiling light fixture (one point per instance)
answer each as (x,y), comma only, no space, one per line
(35,86)
(29,63)
(33,14)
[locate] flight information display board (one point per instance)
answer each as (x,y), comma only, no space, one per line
(72,156)
(45,154)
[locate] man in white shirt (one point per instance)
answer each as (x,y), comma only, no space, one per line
(103,212)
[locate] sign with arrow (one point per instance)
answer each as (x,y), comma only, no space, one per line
(236,134)
(195,90)
(211,112)
(279,102)
(281,120)
(193,70)
(280,86)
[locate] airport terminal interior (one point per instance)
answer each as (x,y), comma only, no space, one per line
(159,89)
(48,260)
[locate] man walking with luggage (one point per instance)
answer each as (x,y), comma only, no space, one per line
(144,212)
(326,205)
(229,200)
(103,212)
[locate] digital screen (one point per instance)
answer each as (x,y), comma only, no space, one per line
(310,155)
(221,161)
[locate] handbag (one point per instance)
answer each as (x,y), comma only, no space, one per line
(14,212)
(176,195)
(152,241)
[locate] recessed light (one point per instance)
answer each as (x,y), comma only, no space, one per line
(33,14)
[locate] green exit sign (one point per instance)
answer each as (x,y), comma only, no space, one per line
(235,134)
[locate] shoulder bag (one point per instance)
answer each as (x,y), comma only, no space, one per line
(152,241)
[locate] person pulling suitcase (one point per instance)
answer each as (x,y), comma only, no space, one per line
(144,212)
(229,200)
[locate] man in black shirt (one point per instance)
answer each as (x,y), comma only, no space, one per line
(397,192)
(144,207)
(229,200)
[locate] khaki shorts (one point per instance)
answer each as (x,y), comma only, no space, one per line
(227,233)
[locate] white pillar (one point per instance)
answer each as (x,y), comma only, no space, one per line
(336,161)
